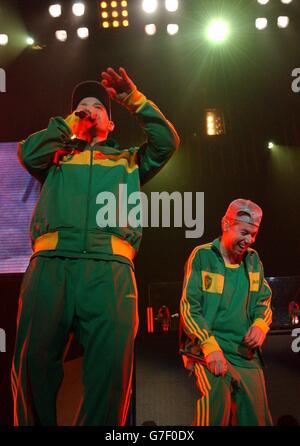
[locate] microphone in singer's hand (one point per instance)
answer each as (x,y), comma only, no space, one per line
(83,114)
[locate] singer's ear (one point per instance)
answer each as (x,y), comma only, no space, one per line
(111,126)
(225,224)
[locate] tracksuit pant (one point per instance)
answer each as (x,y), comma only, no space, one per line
(239,398)
(95,299)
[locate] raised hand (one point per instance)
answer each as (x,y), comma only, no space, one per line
(118,86)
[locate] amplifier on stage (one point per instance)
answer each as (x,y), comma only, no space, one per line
(163,306)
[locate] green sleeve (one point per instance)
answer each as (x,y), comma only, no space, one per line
(162,141)
(37,151)
(262,312)
(191,311)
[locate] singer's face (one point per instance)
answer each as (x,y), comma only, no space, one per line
(97,114)
(239,236)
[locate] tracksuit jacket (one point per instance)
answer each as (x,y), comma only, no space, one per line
(202,293)
(73,173)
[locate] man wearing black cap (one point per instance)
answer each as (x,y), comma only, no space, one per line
(80,278)
(225,316)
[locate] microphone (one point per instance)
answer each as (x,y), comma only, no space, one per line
(83,114)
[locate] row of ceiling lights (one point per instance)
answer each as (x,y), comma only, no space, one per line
(108,8)
(265,2)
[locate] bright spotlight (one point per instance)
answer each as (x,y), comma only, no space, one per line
(283,21)
(262,2)
(218,30)
(3,39)
(171,5)
(271,145)
(78,9)
(83,33)
(61,35)
(150,29)
(30,41)
(261,23)
(149,6)
(286,2)
(55,10)
(172,29)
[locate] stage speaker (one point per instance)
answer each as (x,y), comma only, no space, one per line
(165,395)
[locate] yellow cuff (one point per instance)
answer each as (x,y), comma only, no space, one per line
(210,346)
(134,101)
(260,323)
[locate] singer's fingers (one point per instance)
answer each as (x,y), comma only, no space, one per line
(106,76)
(125,75)
(247,339)
(114,74)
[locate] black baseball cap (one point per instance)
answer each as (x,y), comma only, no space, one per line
(92,89)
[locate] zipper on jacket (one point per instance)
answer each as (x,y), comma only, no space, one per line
(88,203)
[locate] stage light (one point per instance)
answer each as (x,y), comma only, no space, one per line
(218,30)
(78,9)
(171,5)
(114,11)
(61,35)
(172,29)
(271,145)
(262,2)
(55,10)
(3,39)
(215,124)
(283,21)
(150,29)
(286,2)
(261,23)
(30,41)
(149,6)
(83,33)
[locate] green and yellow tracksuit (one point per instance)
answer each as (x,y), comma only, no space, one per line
(80,278)
(219,304)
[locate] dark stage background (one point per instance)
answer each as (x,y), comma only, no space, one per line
(248,78)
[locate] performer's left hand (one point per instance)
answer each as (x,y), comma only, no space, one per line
(117,86)
(254,337)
